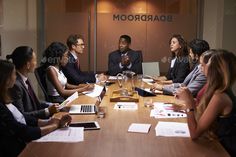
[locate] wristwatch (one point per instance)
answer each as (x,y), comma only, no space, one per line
(189,110)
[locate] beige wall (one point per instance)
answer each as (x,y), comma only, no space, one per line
(213,22)
(219,24)
(19,27)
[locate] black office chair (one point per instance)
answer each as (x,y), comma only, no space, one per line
(40,74)
(141,58)
(140,54)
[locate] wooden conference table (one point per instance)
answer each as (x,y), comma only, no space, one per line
(113,139)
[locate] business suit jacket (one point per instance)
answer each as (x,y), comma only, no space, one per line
(73,73)
(13,135)
(180,70)
(23,101)
(115,59)
(194,81)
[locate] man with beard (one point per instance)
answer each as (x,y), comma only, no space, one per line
(124,58)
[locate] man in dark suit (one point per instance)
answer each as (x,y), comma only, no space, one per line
(124,58)
(72,70)
(26,101)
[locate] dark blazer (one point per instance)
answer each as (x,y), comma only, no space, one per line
(115,59)
(74,75)
(13,135)
(180,70)
(23,101)
(194,81)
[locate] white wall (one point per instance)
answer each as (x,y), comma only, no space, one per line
(219,24)
(213,22)
(19,27)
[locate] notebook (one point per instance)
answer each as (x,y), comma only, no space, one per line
(83,109)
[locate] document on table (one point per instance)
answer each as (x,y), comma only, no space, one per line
(126,106)
(95,92)
(172,129)
(162,110)
(148,81)
(155,91)
(139,127)
(114,78)
(68,100)
(69,134)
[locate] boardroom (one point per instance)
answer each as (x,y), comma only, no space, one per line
(117,78)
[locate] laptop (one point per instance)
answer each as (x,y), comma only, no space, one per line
(151,69)
(83,109)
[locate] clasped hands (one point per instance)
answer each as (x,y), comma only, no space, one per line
(125,60)
(61,119)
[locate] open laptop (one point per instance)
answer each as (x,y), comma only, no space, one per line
(83,109)
(150,69)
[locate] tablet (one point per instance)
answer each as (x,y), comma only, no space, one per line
(143,92)
(92,125)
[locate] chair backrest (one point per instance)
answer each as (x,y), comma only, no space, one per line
(40,74)
(151,68)
(140,54)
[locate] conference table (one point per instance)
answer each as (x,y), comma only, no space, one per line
(114,140)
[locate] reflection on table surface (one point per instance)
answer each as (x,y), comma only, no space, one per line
(114,140)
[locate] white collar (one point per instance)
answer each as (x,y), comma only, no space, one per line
(22,77)
(74,54)
(199,66)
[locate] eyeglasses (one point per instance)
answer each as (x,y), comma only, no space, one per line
(80,44)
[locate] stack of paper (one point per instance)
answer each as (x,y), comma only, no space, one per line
(139,127)
(69,134)
(162,110)
(172,129)
(95,92)
(126,106)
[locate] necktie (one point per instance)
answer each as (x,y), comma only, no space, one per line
(77,61)
(32,94)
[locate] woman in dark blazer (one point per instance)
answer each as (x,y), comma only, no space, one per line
(179,66)
(22,93)
(16,129)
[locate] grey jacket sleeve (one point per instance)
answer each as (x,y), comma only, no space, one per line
(196,85)
(170,89)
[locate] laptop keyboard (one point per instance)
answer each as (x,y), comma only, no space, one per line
(87,108)
(83,109)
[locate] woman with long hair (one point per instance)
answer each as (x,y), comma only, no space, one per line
(179,67)
(58,88)
(216,112)
(16,129)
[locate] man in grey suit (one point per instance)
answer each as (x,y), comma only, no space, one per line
(196,79)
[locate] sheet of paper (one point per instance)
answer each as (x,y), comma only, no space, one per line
(69,99)
(126,106)
(114,78)
(69,134)
(162,110)
(172,129)
(95,92)
(156,91)
(148,81)
(139,127)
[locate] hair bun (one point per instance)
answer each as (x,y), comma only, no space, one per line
(9,57)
